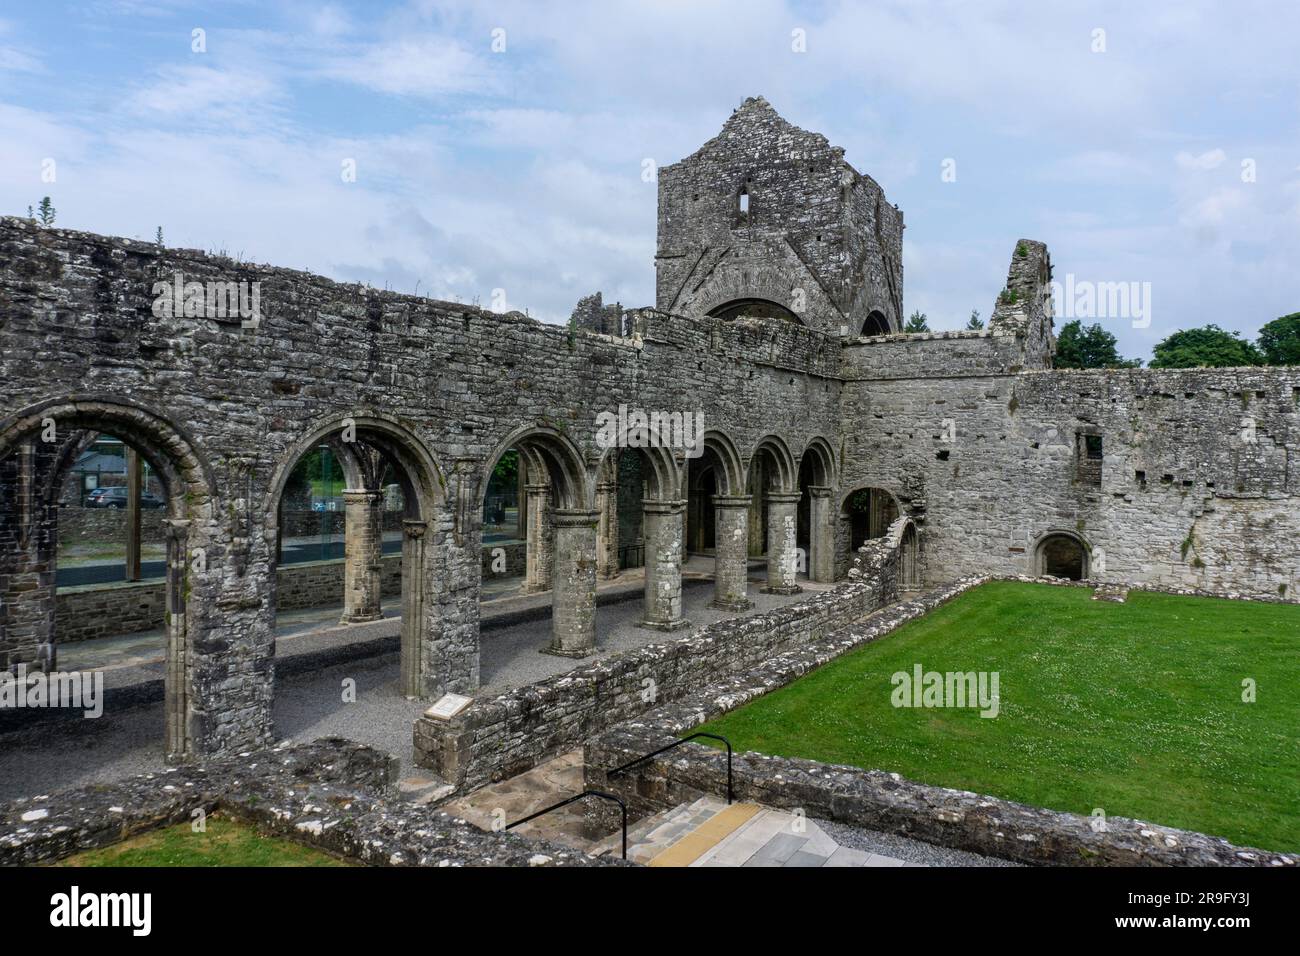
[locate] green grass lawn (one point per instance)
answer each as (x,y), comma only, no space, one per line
(1135,708)
(224,843)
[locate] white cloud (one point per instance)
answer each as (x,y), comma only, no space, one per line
(1212,159)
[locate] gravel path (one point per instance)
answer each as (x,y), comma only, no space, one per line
(905,848)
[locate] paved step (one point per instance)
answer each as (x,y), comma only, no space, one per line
(708,832)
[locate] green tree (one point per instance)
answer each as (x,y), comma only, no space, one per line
(1279,340)
(46,212)
(974,323)
(1208,347)
(159,237)
(1091,347)
(917,322)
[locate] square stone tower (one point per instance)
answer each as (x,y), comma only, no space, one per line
(768,220)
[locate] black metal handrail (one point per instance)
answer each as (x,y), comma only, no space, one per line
(677,743)
(573,799)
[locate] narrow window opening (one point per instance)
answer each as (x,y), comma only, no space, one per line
(1088,457)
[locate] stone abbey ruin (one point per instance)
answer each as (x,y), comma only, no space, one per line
(777,318)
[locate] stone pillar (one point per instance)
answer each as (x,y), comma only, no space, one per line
(176,691)
(782,550)
(413,586)
(731,553)
(134,481)
(662,531)
(362,551)
(573,601)
(607,543)
(821,535)
(539,556)
(29,544)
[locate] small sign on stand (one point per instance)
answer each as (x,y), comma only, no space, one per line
(448,706)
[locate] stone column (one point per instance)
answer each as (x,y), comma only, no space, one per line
(662,530)
(782,553)
(607,543)
(413,586)
(731,553)
(821,535)
(29,543)
(539,556)
(573,601)
(362,550)
(175,683)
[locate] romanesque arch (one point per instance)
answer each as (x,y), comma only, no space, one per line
(816,512)
(561,531)
(365,442)
(663,518)
(719,509)
(773,484)
(36,445)
(864,512)
(1062,554)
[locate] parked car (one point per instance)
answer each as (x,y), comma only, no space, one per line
(115,497)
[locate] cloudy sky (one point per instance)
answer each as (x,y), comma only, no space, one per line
(500,145)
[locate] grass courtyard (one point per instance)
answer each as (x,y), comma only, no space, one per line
(1135,708)
(222,843)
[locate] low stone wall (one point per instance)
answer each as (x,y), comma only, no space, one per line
(102,610)
(305,523)
(78,524)
(504,560)
(506,735)
(332,794)
(875,799)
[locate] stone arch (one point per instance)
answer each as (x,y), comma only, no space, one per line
(865,512)
(548,448)
(816,509)
(186,475)
(875,324)
(423,480)
(27,568)
(1062,554)
(772,481)
(784,474)
(754,307)
(663,519)
(363,439)
(730,467)
(909,568)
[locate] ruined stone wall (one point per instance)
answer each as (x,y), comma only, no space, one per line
(818,237)
(1198,488)
(503,736)
(222,410)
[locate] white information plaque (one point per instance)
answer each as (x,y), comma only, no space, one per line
(448,706)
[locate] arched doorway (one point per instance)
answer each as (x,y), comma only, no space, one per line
(37,448)
(864,513)
(1061,554)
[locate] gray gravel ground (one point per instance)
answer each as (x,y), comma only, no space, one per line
(904,848)
(76,752)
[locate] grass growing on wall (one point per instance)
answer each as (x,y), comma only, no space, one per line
(1133,708)
(224,843)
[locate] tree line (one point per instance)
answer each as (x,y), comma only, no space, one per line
(1091,346)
